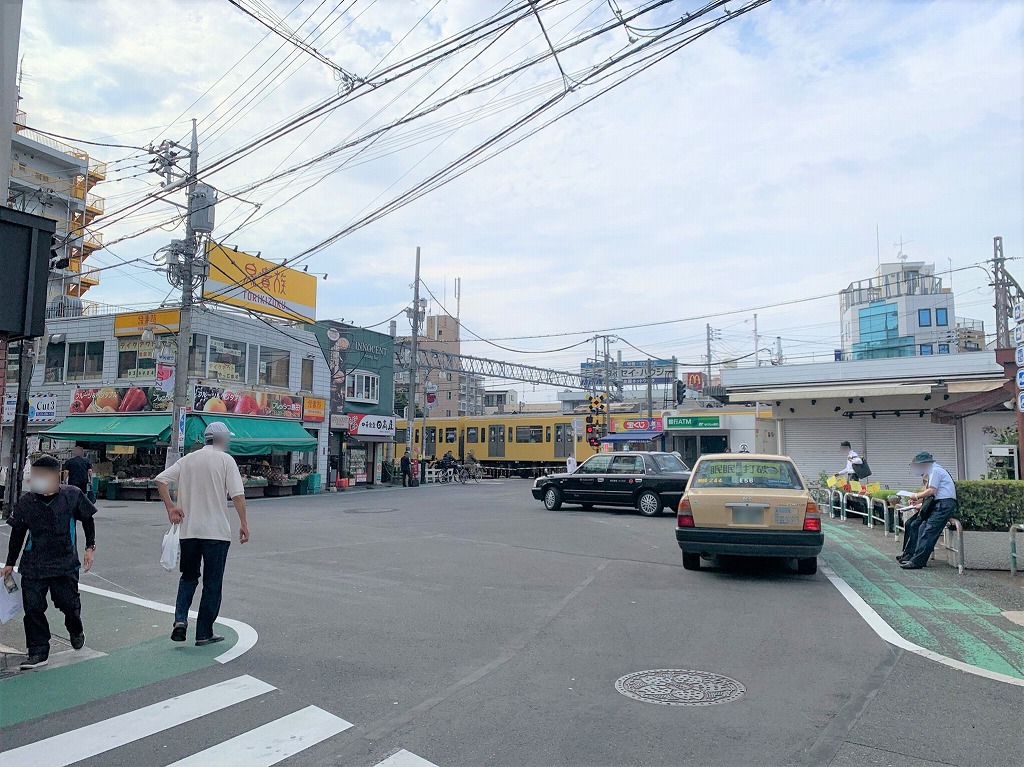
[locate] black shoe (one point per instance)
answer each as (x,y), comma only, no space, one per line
(212,640)
(901,558)
(178,634)
(35,660)
(78,641)
(909,565)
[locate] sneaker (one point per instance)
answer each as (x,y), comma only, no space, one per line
(78,641)
(35,660)
(211,640)
(178,634)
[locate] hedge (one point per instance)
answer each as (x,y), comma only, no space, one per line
(989,505)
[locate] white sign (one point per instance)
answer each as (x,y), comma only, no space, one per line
(10,406)
(1020,356)
(1017,335)
(362,425)
(1020,380)
(182,418)
(42,407)
(1018,312)
(1020,401)
(577,427)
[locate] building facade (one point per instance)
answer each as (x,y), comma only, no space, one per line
(903,311)
(450,394)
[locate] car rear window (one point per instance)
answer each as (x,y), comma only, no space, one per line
(669,464)
(754,472)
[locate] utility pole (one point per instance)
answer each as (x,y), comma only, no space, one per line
(414,319)
(708,383)
(778,350)
(10,30)
(757,344)
(187,276)
(650,390)
(1002,288)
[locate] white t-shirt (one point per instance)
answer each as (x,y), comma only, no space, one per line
(570,464)
(941,480)
(851,459)
(206,479)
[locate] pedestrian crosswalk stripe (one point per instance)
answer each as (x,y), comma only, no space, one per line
(271,743)
(405,759)
(91,740)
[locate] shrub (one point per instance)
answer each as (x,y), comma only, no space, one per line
(988,505)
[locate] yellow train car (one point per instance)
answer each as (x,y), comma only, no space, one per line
(508,441)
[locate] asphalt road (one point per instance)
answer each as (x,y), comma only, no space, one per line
(469,627)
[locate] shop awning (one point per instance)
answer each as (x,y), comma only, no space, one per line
(254,436)
(996,399)
(113,429)
(632,436)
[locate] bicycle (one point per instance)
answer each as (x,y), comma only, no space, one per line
(473,472)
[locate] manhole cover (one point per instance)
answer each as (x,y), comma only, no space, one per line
(680,687)
(368,511)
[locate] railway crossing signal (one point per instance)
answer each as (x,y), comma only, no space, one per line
(598,404)
(592,437)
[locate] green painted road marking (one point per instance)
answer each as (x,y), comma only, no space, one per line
(38,693)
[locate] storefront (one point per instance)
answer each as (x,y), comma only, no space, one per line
(634,433)
(366,446)
(694,435)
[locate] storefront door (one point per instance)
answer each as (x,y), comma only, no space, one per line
(713,443)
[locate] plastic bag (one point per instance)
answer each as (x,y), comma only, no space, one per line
(170,553)
(10,599)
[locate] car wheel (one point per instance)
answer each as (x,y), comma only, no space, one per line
(807,566)
(586,506)
(649,504)
(552,499)
(691,561)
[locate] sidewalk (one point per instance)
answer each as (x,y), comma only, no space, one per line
(127,646)
(963,617)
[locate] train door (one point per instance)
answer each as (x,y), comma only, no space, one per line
(430,442)
(564,439)
(496,441)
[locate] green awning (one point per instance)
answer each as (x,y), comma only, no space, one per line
(113,429)
(253,436)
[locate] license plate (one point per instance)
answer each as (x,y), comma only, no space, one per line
(748,516)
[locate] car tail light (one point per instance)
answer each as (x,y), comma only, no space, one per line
(812,519)
(685,516)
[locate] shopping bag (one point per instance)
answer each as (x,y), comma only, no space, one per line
(10,597)
(170,553)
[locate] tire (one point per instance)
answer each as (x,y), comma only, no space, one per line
(463,476)
(691,561)
(586,506)
(552,498)
(649,504)
(807,566)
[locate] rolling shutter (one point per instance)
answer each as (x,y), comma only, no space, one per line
(814,445)
(893,442)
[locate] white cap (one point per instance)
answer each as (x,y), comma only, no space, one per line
(218,429)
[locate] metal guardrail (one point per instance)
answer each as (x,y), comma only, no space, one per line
(1014,529)
(958,550)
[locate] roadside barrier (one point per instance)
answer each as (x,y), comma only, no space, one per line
(1014,529)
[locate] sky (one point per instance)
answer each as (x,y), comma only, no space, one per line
(775,159)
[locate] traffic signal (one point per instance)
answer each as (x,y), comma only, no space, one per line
(592,438)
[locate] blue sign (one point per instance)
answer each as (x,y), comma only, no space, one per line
(1020,379)
(1020,356)
(1020,401)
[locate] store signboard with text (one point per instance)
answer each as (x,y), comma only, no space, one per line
(314,409)
(633,423)
(361,425)
(693,422)
(42,407)
(120,399)
(161,321)
(244,401)
(248,282)
(632,373)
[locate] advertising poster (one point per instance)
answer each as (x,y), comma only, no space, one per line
(314,409)
(239,279)
(110,399)
(242,401)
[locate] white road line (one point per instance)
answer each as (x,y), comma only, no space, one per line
(889,634)
(405,759)
(247,635)
(271,743)
(91,740)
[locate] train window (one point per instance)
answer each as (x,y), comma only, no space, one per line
(472,434)
(530,434)
(509,433)
(547,434)
(400,436)
(451,436)
(417,435)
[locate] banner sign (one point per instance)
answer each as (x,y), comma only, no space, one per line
(314,409)
(109,399)
(11,406)
(161,321)
(238,279)
(165,379)
(362,425)
(693,422)
(632,423)
(217,399)
(695,381)
(631,373)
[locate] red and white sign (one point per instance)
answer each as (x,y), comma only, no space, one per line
(362,425)
(637,424)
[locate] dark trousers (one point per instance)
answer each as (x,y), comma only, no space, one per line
(406,477)
(910,534)
(209,557)
(64,593)
(926,534)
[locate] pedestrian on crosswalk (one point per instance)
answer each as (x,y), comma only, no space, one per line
(47,517)
(205,479)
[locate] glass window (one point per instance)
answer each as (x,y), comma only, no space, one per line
(669,464)
(85,360)
(13,361)
(55,357)
(754,472)
(471,434)
(627,464)
(927,349)
(597,464)
(451,435)
(197,355)
(942,317)
(530,434)
(253,376)
(363,387)
(943,348)
(307,374)
(136,358)
(227,359)
(924,318)
(274,367)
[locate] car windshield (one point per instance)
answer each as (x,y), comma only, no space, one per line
(745,473)
(669,464)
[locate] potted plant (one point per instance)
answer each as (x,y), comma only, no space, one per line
(987,509)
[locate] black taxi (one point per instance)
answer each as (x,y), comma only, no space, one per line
(645,481)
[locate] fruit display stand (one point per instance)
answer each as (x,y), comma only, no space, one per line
(284,487)
(133,489)
(255,487)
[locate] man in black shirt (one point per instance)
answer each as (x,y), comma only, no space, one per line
(78,470)
(47,516)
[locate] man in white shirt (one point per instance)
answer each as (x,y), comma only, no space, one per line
(942,489)
(205,478)
(852,459)
(570,464)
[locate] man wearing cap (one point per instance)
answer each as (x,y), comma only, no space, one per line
(205,478)
(943,492)
(47,516)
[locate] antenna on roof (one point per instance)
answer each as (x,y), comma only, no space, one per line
(899,252)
